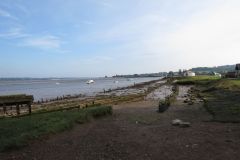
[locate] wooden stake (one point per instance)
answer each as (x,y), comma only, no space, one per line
(29,108)
(18,109)
(4,109)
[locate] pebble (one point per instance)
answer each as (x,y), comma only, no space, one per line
(180,123)
(185,124)
(176,122)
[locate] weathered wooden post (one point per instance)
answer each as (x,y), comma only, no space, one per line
(29,108)
(237,68)
(18,109)
(4,109)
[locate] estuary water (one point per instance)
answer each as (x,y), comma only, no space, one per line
(51,87)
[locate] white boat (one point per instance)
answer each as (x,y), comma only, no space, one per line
(90,81)
(115,81)
(57,83)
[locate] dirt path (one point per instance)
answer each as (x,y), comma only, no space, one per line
(137,132)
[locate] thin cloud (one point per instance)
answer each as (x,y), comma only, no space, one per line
(14,33)
(44,42)
(106,3)
(22,8)
(6,14)
(132,30)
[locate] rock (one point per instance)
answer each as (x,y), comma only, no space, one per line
(180,123)
(185,124)
(190,103)
(176,122)
(192,98)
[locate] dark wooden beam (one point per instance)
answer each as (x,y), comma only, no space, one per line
(29,108)
(18,109)
(16,100)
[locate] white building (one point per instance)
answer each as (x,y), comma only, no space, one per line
(188,74)
(216,74)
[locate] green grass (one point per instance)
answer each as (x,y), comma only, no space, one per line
(221,96)
(224,111)
(16,132)
(228,84)
(198,80)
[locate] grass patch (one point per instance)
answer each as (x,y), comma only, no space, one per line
(221,99)
(228,84)
(16,132)
(197,80)
(223,111)
(221,96)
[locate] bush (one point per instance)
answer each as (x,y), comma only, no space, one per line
(163,105)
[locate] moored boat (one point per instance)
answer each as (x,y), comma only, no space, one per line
(90,81)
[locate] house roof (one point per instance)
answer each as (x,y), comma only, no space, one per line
(237,66)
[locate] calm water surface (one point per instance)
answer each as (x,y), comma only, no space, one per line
(51,88)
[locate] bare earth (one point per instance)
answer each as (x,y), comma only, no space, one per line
(137,132)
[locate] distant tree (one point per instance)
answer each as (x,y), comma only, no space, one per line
(219,69)
(180,72)
(170,74)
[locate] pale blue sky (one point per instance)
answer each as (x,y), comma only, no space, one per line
(74,38)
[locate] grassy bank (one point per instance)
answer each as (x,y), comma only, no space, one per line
(16,132)
(198,80)
(221,96)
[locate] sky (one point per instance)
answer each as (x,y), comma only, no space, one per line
(91,38)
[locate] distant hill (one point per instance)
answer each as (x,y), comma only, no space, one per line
(160,74)
(219,69)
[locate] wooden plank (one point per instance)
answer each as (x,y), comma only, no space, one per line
(16,99)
